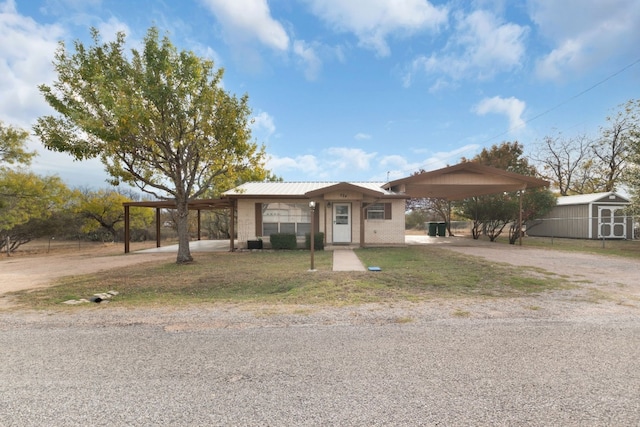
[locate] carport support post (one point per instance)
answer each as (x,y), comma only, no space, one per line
(127,234)
(232,225)
(198,224)
(157,227)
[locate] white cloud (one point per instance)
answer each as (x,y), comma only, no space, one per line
(373,21)
(596,32)
(308,59)
(344,158)
(399,166)
(481,47)
(511,107)
(26,51)
(362,136)
(244,20)
(335,163)
(307,164)
(263,124)
(109,29)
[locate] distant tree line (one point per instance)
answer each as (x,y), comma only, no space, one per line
(35,207)
(573,165)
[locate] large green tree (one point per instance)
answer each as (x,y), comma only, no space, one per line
(12,145)
(24,196)
(101,210)
(158,119)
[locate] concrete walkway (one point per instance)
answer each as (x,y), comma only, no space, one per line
(346,260)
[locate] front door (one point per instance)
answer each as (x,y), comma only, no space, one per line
(341,223)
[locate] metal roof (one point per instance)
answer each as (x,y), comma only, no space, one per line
(202,204)
(298,189)
(463,180)
(583,199)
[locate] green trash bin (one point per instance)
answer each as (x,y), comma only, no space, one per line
(442,229)
(433,229)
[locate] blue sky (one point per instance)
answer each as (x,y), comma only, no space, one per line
(364,90)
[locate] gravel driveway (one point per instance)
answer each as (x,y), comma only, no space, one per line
(566,358)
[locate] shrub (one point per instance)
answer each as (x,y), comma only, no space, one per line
(283,241)
(318,241)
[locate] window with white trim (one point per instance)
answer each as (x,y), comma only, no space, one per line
(375,211)
(378,211)
(293,218)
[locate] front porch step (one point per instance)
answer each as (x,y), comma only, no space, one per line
(334,247)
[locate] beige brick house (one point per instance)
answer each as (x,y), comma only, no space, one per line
(348,213)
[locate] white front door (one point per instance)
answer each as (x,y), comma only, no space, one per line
(341,223)
(612,222)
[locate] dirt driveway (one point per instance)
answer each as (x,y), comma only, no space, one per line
(613,275)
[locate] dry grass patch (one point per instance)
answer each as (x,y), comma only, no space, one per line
(282,277)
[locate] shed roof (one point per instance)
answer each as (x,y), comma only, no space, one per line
(583,199)
(463,180)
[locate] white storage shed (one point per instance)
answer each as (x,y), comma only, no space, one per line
(586,216)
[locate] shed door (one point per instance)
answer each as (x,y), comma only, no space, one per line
(341,223)
(612,222)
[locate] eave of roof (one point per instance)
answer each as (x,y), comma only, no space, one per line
(581,199)
(305,190)
(463,180)
(202,204)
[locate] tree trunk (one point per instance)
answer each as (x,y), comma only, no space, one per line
(184,254)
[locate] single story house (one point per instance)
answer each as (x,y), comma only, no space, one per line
(348,213)
(586,216)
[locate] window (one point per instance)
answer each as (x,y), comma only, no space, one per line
(379,211)
(293,218)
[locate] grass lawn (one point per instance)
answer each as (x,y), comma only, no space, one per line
(414,273)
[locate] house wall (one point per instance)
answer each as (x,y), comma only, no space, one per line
(246,217)
(387,231)
(377,232)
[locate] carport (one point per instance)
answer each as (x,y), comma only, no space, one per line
(464,180)
(197,205)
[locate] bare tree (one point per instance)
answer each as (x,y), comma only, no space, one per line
(616,139)
(566,162)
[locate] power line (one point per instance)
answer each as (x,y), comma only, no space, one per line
(555,107)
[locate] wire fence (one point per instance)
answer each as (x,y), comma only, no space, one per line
(620,227)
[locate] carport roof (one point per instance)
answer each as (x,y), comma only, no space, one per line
(463,180)
(201,204)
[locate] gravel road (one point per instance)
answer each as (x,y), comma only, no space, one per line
(569,357)
(439,372)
